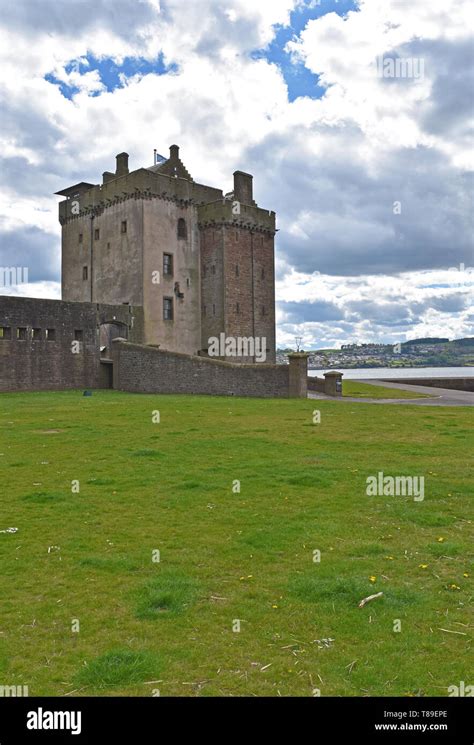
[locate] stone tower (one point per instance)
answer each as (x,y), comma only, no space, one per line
(201,264)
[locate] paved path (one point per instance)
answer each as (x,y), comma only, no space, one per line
(440,396)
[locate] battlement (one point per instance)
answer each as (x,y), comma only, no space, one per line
(235,214)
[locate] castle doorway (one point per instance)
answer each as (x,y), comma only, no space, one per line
(107,333)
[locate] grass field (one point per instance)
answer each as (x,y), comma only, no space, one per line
(357,389)
(88,560)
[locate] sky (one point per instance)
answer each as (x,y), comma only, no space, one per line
(354,116)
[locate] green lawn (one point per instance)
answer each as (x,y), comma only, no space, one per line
(357,389)
(227,556)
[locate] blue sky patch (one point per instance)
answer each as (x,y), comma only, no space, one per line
(110,71)
(300,81)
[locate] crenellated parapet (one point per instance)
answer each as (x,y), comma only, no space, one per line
(232,213)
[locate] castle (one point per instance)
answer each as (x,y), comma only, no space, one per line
(168,286)
(199,263)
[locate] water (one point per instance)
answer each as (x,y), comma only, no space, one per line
(358,373)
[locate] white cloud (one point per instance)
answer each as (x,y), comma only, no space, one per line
(331,167)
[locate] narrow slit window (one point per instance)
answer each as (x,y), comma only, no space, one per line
(168,265)
(182,228)
(168,308)
(5,333)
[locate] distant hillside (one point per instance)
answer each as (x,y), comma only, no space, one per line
(427,340)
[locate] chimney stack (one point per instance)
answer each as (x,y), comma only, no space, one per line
(243,187)
(122,164)
(174,152)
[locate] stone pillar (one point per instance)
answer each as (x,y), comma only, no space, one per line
(298,375)
(116,346)
(333,383)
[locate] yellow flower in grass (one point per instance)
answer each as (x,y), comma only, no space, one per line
(423,566)
(440,539)
(372,579)
(466,574)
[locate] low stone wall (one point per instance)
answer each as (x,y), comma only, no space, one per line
(456,384)
(144,369)
(36,338)
(330,385)
(316,384)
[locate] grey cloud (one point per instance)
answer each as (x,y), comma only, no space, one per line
(34,249)
(348,214)
(70,18)
(307,311)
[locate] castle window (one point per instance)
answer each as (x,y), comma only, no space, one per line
(84,272)
(80,237)
(236,235)
(50,334)
(36,334)
(168,264)
(168,308)
(237,308)
(213,268)
(78,335)
(21,333)
(213,309)
(263,274)
(123,228)
(5,332)
(96,234)
(236,270)
(108,246)
(263,310)
(182,230)
(261,240)
(188,282)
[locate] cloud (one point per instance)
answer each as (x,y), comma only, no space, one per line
(333,167)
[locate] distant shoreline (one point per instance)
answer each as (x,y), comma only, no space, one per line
(367,373)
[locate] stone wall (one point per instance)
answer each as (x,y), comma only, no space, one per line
(54,345)
(143,369)
(316,384)
(457,384)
